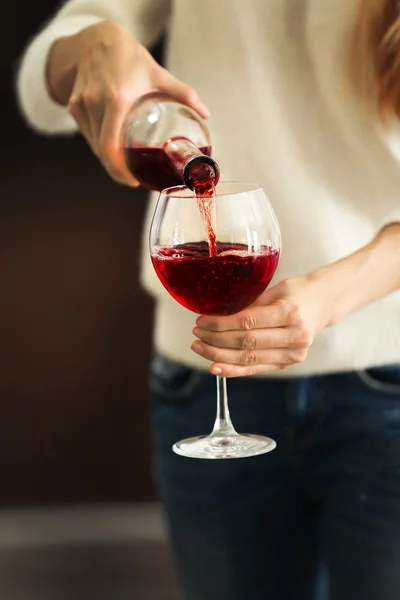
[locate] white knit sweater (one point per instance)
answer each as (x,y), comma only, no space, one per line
(272,74)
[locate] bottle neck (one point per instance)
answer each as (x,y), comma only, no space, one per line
(190,163)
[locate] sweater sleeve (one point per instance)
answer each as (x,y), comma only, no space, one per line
(145,19)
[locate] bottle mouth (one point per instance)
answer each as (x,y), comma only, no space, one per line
(199,170)
(225,188)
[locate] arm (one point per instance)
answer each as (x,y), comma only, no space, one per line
(279,328)
(362,278)
(144,19)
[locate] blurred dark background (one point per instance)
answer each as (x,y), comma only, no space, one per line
(78,511)
(75,327)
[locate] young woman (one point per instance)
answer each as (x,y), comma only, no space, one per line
(305,98)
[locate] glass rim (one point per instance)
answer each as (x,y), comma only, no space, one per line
(173,192)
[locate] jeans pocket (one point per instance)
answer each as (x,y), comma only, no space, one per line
(171,381)
(384,380)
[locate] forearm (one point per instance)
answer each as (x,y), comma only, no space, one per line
(363,277)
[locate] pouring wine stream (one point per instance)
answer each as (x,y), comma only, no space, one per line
(203,178)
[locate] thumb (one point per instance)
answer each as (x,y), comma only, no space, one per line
(270,295)
(184,94)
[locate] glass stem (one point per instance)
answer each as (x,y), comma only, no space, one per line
(223,424)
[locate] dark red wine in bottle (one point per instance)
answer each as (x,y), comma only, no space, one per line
(161,168)
(167,144)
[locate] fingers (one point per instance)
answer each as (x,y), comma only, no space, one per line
(255,317)
(279,337)
(182,93)
(236,371)
(101,122)
(256,346)
(249,358)
(78,110)
(111,142)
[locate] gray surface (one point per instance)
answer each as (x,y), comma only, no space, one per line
(119,572)
(109,555)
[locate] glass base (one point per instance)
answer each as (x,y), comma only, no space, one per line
(217,446)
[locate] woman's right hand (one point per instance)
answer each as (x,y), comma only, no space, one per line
(105,71)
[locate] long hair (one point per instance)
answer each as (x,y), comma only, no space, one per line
(375,53)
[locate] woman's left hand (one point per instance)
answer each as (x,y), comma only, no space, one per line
(278,329)
(273,333)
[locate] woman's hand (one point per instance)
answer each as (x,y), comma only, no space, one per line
(280,327)
(100,73)
(273,333)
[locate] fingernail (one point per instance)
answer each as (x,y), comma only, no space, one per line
(196,331)
(197,347)
(216,370)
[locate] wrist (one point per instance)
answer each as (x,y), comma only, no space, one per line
(321,290)
(332,286)
(361,278)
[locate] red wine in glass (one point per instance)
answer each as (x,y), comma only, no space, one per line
(222,284)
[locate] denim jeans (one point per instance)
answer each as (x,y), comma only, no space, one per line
(319,517)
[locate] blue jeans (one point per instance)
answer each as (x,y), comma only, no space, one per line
(319,517)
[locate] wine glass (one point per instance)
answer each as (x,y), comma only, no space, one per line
(221,282)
